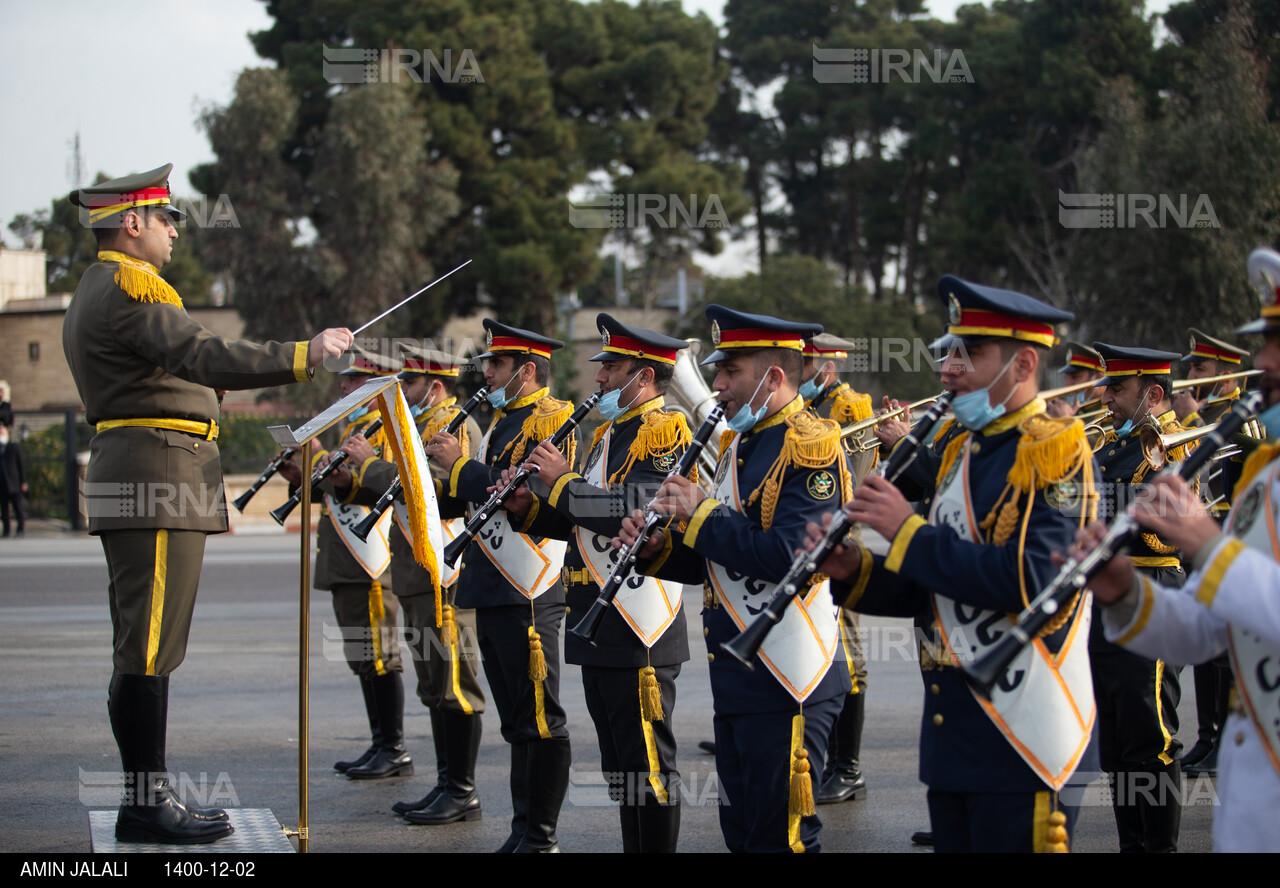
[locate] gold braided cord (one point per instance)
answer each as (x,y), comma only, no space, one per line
(809,443)
(660,433)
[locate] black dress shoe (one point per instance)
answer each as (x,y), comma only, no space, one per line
(845,784)
(386,762)
(364,759)
(1196,753)
(421,804)
(1207,766)
(167,822)
(707,746)
(923,837)
(448,809)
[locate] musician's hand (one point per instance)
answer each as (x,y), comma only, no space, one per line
(1113,581)
(891,430)
(631,528)
(445,450)
(844,562)
(328,343)
(880,506)
(1170,508)
(1060,407)
(290,470)
(358,450)
(1185,403)
(548,463)
(677,496)
(518,503)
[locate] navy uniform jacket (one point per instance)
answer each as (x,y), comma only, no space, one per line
(574,501)
(717,533)
(480,583)
(1123,468)
(919,481)
(961,750)
(373,478)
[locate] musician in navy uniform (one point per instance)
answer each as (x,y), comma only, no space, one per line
(363,602)
(829,397)
(779,467)
(444,656)
(512,580)
(1138,697)
(1013,484)
(1083,365)
(1210,357)
(642,638)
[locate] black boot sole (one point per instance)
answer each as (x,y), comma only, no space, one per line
(140,835)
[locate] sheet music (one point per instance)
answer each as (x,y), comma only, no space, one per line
(331,415)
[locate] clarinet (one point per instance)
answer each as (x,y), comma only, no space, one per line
(393,491)
(589,625)
(319,475)
(272,467)
(459,544)
(983,674)
(746,644)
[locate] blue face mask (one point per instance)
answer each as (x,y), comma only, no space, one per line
(356,414)
(811,389)
(1127,426)
(608,405)
(974,411)
(417,410)
(498,398)
(746,418)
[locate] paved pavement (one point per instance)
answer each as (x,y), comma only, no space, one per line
(234,731)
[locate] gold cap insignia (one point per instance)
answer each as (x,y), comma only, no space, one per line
(715,333)
(953,308)
(488,338)
(604,335)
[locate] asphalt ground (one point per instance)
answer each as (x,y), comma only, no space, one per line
(233,730)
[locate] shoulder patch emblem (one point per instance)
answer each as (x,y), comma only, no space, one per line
(1245,513)
(1064,496)
(664,462)
(822,485)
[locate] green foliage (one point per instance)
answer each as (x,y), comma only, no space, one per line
(244,444)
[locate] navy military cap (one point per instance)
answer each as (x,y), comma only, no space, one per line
(1120,362)
(1081,357)
(428,360)
(737,333)
(101,205)
(504,340)
(621,340)
(979,314)
(1205,348)
(357,361)
(824,346)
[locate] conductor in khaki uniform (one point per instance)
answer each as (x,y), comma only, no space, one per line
(146,373)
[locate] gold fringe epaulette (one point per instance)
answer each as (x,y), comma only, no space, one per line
(441,418)
(1050,451)
(660,433)
(726,438)
(547,416)
(850,406)
(810,443)
(140,279)
(1261,457)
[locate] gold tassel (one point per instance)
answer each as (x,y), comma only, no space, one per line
(449,628)
(850,406)
(650,696)
(951,454)
(376,609)
(801,801)
(546,418)
(726,438)
(1056,835)
(599,435)
(1050,451)
(537,659)
(1007,523)
(140,279)
(659,433)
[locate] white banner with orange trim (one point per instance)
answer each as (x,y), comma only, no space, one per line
(645,603)
(801,648)
(1043,705)
(374,553)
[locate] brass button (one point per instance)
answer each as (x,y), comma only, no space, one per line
(705,632)
(711,658)
(1111,452)
(937,719)
(975,448)
(462,566)
(195,446)
(741,461)
(568,610)
(935,690)
(1240,738)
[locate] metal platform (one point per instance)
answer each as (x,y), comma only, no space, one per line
(257,832)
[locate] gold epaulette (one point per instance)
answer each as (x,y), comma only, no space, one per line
(1261,457)
(660,433)
(546,418)
(442,418)
(726,438)
(850,406)
(140,280)
(1050,451)
(810,443)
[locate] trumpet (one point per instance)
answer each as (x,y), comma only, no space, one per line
(1068,390)
(746,644)
(1074,576)
(395,488)
(459,544)
(856,429)
(339,458)
(589,625)
(1180,384)
(272,467)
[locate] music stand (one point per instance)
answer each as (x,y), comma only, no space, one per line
(302,437)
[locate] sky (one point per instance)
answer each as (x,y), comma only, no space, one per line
(149,118)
